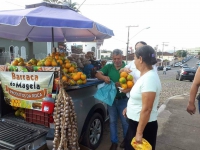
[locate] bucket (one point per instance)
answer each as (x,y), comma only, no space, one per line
(48,104)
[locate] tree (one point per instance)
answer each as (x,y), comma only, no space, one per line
(64,2)
(181,53)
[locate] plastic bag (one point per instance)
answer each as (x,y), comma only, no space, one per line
(106,93)
(144,146)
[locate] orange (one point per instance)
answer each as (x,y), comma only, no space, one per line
(64,70)
(60,62)
(129,77)
(79,82)
(76,77)
(71,82)
(122,80)
(15,62)
(54,63)
(56,57)
(123,74)
(130,84)
(64,78)
(124,86)
(67,61)
(20,59)
(40,63)
(68,65)
(83,76)
(79,73)
(84,81)
(21,63)
(47,62)
(71,69)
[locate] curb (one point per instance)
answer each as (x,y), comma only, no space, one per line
(163,106)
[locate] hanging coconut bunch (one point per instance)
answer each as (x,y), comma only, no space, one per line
(66,130)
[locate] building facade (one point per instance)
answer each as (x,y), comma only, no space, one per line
(10,49)
(194,51)
(85,47)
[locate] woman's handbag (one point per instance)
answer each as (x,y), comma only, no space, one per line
(106,93)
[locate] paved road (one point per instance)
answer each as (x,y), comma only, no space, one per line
(170,87)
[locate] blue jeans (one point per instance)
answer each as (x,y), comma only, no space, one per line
(114,111)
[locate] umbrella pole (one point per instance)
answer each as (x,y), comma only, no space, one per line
(52,37)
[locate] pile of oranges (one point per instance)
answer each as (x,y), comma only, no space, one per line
(74,78)
(69,71)
(126,80)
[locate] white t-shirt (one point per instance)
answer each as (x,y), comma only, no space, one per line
(149,82)
(135,72)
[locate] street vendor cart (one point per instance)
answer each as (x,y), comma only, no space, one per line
(26,123)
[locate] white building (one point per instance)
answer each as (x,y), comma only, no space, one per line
(193,51)
(86,47)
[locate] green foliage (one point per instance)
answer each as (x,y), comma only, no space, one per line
(64,2)
(181,53)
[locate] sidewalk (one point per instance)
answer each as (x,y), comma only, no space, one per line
(178,130)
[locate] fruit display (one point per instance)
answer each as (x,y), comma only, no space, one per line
(66,130)
(20,112)
(70,68)
(126,80)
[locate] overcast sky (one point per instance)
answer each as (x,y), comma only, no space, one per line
(173,21)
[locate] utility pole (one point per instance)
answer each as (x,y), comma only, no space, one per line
(164,44)
(156,49)
(174,56)
(128,43)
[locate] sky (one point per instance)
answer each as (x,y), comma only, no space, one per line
(175,22)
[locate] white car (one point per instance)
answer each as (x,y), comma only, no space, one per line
(176,65)
(168,67)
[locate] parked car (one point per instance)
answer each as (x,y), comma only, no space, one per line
(185,74)
(176,65)
(183,65)
(168,67)
(160,68)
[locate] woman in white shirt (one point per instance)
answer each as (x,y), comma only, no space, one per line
(144,98)
(131,68)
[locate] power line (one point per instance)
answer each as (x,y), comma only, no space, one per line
(14,4)
(118,40)
(81,4)
(121,3)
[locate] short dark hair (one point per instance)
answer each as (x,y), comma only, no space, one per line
(142,42)
(147,53)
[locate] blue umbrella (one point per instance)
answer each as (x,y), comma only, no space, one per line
(44,22)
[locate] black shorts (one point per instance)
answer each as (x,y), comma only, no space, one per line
(150,133)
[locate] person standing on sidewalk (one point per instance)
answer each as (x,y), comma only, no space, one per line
(164,70)
(144,98)
(107,73)
(131,68)
(191,108)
